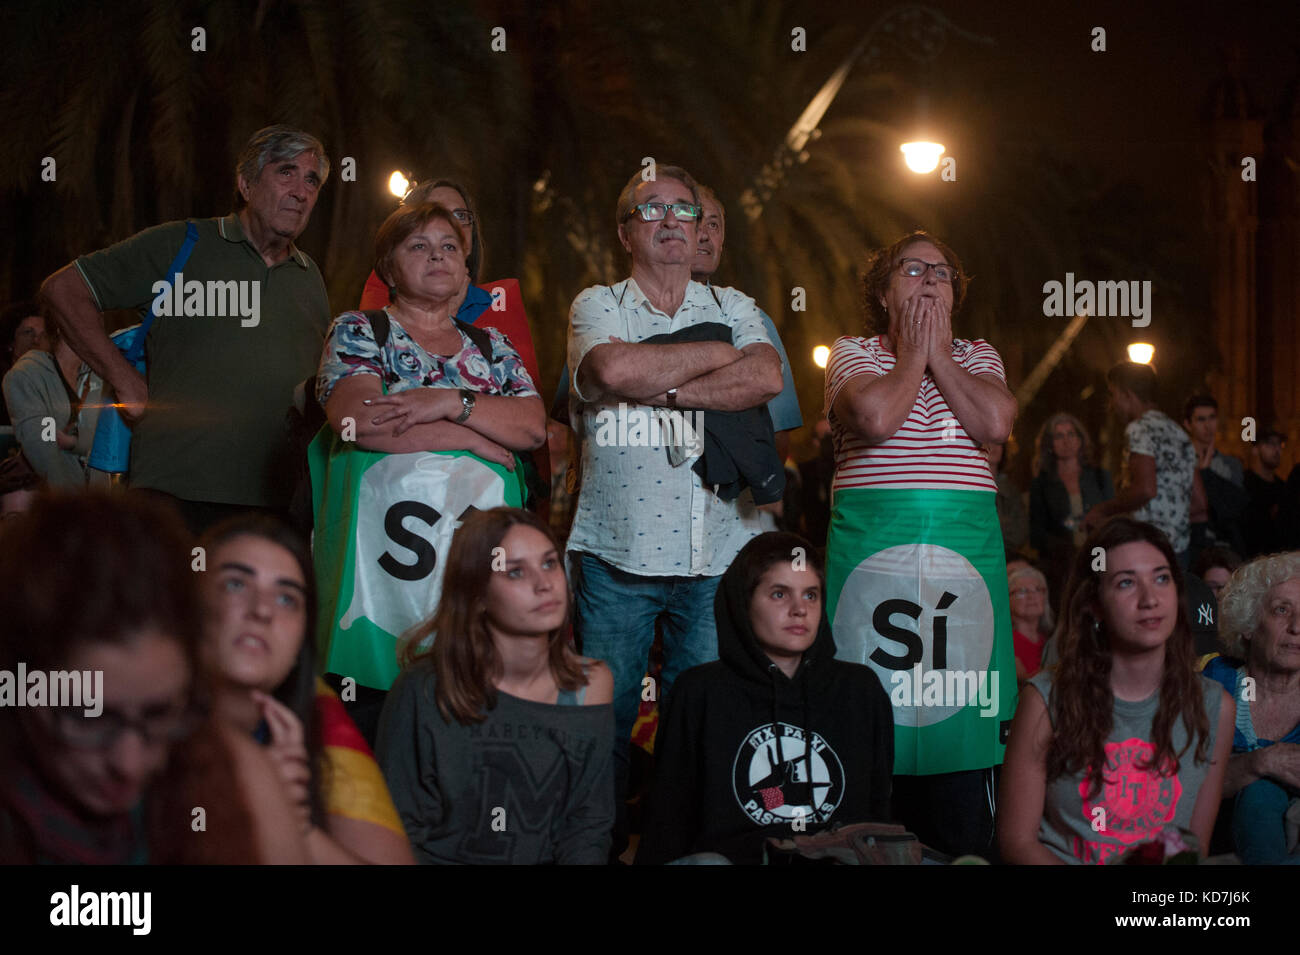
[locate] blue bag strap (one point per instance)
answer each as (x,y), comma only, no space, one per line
(136,351)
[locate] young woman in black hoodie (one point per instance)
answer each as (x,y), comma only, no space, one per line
(733,764)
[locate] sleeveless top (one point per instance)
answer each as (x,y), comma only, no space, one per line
(574,697)
(1135,802)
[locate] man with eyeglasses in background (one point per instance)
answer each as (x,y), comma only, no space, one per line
(650,540)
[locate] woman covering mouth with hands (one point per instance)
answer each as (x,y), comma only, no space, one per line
(914,530)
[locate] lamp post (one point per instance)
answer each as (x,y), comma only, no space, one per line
(922,157)
(398,184)
(1141,353)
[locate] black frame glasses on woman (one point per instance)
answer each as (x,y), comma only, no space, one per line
(915,268)
(654,211)
(158,725)
(463,216)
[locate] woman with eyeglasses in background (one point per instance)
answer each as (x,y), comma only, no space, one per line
(100,590)
(1031,616)
(915,533)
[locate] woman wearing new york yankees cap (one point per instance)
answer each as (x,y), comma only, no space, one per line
(914,534)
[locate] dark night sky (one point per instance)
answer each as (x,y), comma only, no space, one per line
(1133,110)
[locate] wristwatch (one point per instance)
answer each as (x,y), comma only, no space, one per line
(467,399)
(672,397)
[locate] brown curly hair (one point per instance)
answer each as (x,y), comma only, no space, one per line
(879,269)
(1082,699)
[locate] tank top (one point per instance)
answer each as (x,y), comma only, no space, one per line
(1135,802)
(572,697)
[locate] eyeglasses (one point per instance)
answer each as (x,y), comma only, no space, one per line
(1026,591)
(914,268)
(76,729)
(463,216)
(654,211)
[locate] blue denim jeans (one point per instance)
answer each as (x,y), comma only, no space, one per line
(1257,827)
(614,621)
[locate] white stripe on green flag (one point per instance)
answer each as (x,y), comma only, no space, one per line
(917,590)
(384,524)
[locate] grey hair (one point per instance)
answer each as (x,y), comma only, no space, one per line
(626,198)
(273,144)
(1241,602)
(706,193)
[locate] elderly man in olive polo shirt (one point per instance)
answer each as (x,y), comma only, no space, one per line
(245,326)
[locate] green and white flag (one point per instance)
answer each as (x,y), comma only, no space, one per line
(384,524)
(917,590)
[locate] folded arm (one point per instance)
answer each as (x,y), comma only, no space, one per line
(752,381)
(640,372)
(981,404)
(347,401)
(1142,487)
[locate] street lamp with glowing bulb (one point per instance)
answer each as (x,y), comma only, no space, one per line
(922,157)
(398,184)
(1141,353)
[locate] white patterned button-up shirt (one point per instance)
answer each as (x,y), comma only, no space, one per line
(635,510)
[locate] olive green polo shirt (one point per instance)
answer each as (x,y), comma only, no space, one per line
(219,385)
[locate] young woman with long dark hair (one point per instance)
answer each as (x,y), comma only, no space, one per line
(497,740)
(1123,737)
(260,601)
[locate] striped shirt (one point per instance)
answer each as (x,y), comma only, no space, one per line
(931,450)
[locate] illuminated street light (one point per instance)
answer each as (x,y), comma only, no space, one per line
(821,354)
(398,184)
(1141,353)
(922,157)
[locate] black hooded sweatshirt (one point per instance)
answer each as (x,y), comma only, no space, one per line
(731,764)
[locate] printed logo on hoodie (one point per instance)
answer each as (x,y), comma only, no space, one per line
(777,780)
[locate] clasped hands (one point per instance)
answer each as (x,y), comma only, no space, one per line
(924,331)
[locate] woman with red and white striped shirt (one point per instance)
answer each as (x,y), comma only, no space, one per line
(914,534)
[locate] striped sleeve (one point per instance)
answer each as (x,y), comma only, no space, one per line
(981,358)
(849,358)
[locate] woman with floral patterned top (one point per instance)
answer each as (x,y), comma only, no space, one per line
(429,386)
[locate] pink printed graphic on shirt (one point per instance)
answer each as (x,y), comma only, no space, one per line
(1138,801)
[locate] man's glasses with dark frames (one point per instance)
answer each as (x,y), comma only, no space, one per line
(654,211)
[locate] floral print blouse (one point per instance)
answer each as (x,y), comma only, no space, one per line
(350,349)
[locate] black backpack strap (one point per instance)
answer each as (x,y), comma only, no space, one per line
(482,341)
(378,319)
(379,324)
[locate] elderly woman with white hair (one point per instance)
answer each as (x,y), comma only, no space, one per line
(1259,615)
